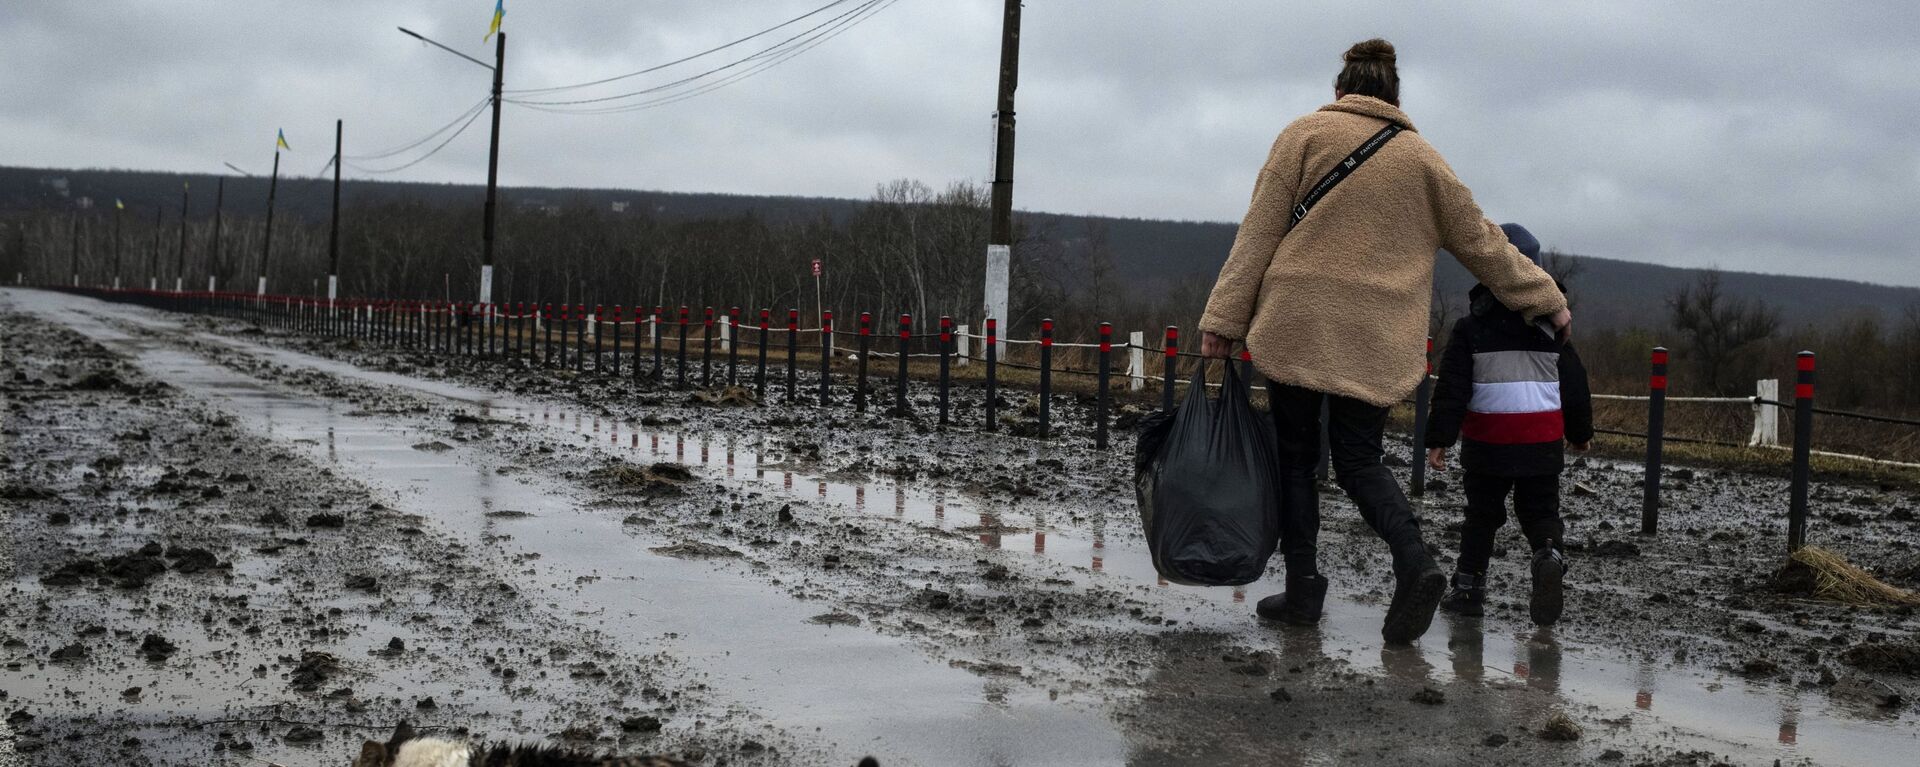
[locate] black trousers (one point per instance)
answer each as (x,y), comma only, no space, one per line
(1536,503)
(1354,433)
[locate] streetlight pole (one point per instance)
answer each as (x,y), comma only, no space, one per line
(499,68)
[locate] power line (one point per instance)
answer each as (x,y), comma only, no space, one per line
(658,67)
(765,52)
(773,56)
(422,158)
(482,104)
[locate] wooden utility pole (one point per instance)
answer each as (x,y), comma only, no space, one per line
(180,260)
(153,257)
(73,251)
(333,238)
(266,242)
(213,251)
(1000,240)
(117,210)
(493,172)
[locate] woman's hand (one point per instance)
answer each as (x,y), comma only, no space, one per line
(1437,458)
(1215,346)
(1563,324)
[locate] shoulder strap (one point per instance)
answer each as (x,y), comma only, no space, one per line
(1343,169)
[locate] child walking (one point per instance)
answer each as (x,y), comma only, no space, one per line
(1510,394)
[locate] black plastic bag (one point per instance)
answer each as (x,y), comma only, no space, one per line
(1208,487)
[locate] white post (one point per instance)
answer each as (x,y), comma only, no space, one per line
(262,290)
(486,284)
(179,284)
(965,344)
(726,333)
(1766,418)
(153,283)
(210,284)
(116,281)
(1137,360)
(593,326)
(998,257)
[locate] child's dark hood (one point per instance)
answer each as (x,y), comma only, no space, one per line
(1489,309)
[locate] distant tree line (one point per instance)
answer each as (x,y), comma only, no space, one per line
(908,249)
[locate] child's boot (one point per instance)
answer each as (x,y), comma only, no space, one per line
(1549,574)
(1300,604)
(1469,595)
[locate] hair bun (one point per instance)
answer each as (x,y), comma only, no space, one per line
(1369,50)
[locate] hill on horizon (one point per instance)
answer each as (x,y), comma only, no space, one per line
(1148,254)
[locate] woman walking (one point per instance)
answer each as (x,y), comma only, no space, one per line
(1328,285)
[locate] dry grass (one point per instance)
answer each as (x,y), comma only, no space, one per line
(1823,574)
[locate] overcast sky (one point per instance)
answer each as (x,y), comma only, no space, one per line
(1764,136)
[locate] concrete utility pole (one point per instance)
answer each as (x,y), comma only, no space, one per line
(333,238)
(1000,240)
(266,242)
(180,261)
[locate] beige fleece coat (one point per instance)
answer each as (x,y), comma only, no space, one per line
(1340,304)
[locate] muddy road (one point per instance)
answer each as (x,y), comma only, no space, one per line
(229,545)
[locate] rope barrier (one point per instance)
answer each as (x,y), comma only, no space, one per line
(1689,440)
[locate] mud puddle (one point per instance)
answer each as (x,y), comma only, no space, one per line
(1640,693)
(865,692)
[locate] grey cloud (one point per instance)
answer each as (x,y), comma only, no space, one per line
(1770,136)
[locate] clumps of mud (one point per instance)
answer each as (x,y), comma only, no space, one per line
(657,479)
(313,670)
(1884,658)
(730,396)
(1560,728)
(1818,573)
(695,550)
(133,570)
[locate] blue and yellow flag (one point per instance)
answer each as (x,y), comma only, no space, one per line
(280,140)
(118,205)
(499,10)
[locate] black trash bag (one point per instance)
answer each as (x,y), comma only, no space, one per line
(1208,487)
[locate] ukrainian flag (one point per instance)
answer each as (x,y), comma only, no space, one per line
(499,10)
(280,140)
(118,205)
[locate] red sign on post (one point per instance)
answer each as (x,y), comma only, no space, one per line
(816,267)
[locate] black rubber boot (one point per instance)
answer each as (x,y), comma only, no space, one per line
(1418,587)
(1469,595)
(1549,575)
(1299,605)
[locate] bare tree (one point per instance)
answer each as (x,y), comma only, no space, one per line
(1719,328)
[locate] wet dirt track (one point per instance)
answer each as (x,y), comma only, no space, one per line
(817,587)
